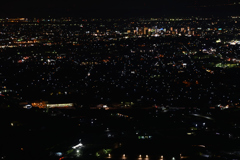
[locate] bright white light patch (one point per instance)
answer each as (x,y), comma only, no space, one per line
(79,145)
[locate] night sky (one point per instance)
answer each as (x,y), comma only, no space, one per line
(125,8)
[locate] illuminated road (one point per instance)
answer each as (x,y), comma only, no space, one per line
(142,157)
(198,115)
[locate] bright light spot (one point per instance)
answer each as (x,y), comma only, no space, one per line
(140,155)
(59,153)
(11,124)
(27,106)
(201,145)
(79,145)
(146,156)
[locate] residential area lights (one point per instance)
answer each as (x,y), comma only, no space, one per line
(135,81)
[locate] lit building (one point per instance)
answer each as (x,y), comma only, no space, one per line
(145,30)
(60,105)
(42,104)
(45,104)
(156,29)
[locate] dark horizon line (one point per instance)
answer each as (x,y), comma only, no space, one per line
(125,13)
